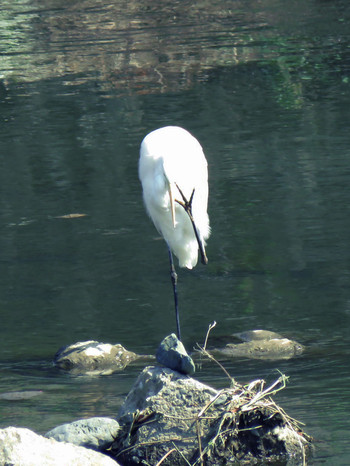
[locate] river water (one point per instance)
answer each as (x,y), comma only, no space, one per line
(264,86)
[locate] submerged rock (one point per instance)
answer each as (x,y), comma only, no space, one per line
(22,447)
(264,349)
(260,344)
(178,420)
(92,357)
(96,433)
(20,395)
(255,335)
(172,353)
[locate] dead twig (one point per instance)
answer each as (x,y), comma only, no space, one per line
(209,356)
(165,456)
(282,380)
(210,328)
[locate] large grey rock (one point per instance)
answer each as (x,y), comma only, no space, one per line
(96,433)
(178,397)
(22,447)
(93,358)
(157,386)
(176,419)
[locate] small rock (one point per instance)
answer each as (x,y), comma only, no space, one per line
(172,353)
(96,433)
(22,447)
(93,358)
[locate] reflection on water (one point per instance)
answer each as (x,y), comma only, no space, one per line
(265,88)
(152,46)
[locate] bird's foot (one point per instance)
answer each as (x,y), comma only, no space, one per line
(187,205)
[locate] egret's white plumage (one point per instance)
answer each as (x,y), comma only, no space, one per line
(174,176)
(172,159)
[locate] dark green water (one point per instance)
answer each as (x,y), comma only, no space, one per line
(265,87)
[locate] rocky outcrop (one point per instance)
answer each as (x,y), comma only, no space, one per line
(169,417)
(176,419)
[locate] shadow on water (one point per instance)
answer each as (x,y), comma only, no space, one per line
(265,88)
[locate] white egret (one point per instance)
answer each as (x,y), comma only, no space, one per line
(174,175)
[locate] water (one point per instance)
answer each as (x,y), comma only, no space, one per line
(265,88)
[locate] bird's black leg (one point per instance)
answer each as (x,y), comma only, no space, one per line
(173,276)
(187,205)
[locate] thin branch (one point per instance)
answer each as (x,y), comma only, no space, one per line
(208,355)
(210,328)
(165,456)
